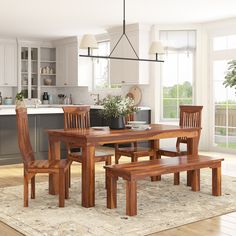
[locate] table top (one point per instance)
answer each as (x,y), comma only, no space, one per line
(113,136)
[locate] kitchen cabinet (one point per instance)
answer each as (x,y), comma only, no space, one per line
(29,71)
(47,66)
(9,150)
(37,68)
(71,70)
(8,64)
(67,61)
(125,71)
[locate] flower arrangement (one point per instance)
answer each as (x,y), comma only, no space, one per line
(117,106)
(230,78)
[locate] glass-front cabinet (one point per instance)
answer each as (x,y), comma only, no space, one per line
(37,68)
(29,70)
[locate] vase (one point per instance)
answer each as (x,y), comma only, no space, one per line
(117,123)
(20,104)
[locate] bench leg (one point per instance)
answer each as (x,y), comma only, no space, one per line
(216,181)
(111,192)
(196,180)
(176,178)
(131,198)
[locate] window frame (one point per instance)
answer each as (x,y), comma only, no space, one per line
(175,120)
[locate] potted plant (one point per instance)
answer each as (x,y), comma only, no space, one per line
(230,78)
(20,100)
(116,108)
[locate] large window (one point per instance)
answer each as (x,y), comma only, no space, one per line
(101,77)
(177,71)
(224,51)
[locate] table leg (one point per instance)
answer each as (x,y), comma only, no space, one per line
(54,153)
(192,148)
(155,147)
(88,176)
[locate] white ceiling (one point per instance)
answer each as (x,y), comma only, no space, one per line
(60,18)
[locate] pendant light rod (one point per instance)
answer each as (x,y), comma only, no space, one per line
(127,38)
(123,58)
(124,35)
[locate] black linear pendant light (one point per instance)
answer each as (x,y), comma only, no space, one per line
(89,42)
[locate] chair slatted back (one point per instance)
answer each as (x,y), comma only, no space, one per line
(190,116)
(76,117)
(23,135)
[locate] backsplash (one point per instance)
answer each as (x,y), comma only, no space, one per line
(7,92)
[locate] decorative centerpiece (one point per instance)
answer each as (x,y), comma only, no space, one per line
(20,100)
(116,108)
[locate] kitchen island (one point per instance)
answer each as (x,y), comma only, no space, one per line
(41,118)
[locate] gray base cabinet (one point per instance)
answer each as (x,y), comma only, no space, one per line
(38,124)
(9,150)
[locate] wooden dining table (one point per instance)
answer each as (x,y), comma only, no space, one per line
(87,139)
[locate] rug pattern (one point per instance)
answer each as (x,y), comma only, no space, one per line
(161,205)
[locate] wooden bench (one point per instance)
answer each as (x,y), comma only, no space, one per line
(131,172)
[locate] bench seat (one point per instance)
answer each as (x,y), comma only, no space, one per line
(131,172)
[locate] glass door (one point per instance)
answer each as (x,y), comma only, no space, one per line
(29,72)
(225,107)
(34,73)
(24,71)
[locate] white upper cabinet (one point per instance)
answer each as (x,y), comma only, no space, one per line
(8,64)
(69,69)
(67,64)
(127,71)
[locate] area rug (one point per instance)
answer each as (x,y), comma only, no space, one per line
(161,205)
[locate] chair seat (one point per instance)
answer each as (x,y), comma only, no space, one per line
(99,156)
(140,151)
(172,151)
(47,164)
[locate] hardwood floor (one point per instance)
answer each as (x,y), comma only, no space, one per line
(224,225)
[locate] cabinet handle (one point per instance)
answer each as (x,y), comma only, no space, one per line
(65,83)
(6,83)
(122,81)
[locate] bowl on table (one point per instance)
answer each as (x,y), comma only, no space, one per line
(137,125)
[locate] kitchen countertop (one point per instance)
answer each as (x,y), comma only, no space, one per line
(45,109)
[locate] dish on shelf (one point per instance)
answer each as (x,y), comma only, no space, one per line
(47,81)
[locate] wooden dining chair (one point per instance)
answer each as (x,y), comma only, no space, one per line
(190,116)
(33,167)
(77,117)
(134,151)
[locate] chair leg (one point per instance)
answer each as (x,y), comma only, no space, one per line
(117,158)
(69,176)
(33,187)
(26,191)
(61,188)
(155,178)
(134,159)
(176,178)
(107,162)
(67,184)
